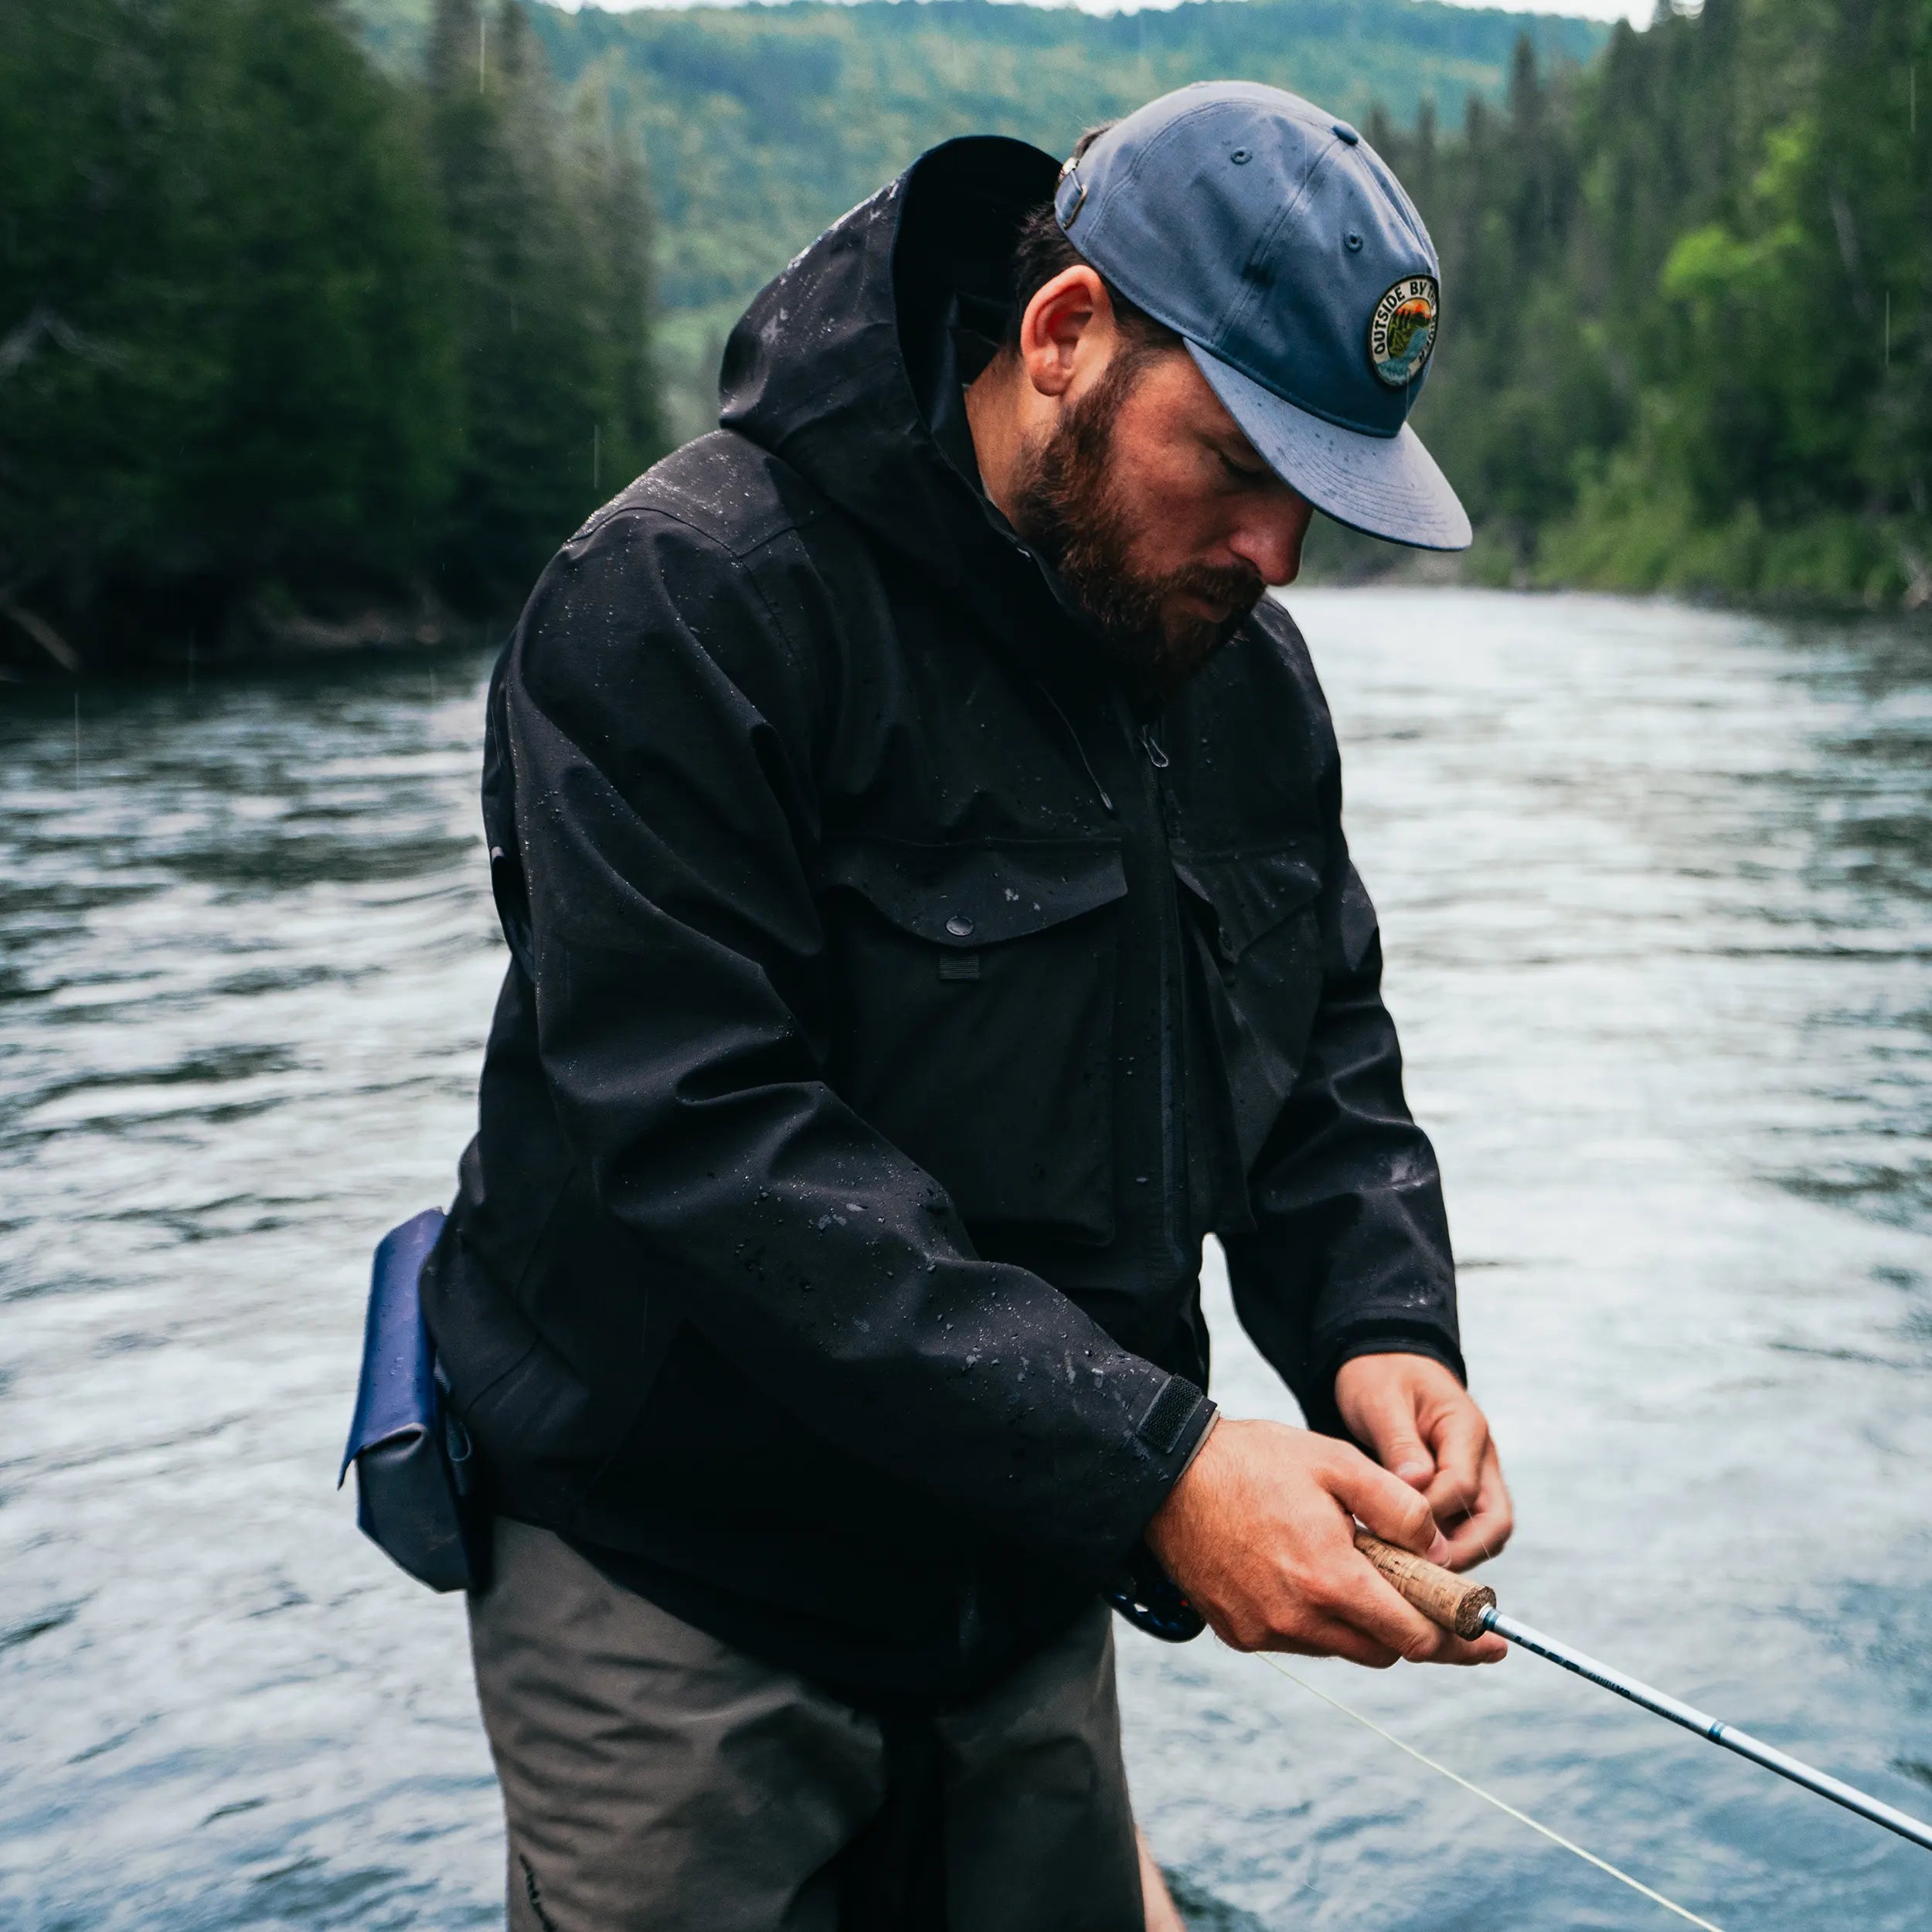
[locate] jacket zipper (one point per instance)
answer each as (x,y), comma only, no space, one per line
(1158,762)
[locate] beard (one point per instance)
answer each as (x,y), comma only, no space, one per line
(1068,505)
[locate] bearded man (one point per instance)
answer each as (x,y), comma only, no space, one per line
(919,845)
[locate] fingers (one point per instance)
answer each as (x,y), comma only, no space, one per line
(1366,1623)
(1486,1528)
(1260,1533)
(1374,1608)
(1385,1417)
(1483,1650)
(1322,1637)
(1396,1512)
(1460,1437)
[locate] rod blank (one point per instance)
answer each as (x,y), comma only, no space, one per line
(1470,1609)
(1715,1729)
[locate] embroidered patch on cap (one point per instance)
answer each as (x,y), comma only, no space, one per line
(1402,330)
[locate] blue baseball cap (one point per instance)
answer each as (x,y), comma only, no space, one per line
(1274,241)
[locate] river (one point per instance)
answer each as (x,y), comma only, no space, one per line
(1656,886)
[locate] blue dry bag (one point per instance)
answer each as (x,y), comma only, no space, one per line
(413,1467)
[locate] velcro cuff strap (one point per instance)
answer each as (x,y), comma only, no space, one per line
(1168,1414)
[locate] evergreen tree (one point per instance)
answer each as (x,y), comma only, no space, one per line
(1687,296)
(275,328)
(281,336)
(547,214)
(222,358)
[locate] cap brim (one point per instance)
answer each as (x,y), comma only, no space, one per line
(1388,485)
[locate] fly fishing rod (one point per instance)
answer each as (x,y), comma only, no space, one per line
(1470,1609)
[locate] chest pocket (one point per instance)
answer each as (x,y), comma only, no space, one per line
(1258,951)
(975,1021)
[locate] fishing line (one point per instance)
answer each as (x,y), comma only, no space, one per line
(1470,1609)
(1489,1797)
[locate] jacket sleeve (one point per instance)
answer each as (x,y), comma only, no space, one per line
(660,726)
(1350,1250)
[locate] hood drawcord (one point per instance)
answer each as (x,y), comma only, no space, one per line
(1078,746)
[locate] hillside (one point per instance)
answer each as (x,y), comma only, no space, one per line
(293,345)
(1687,271)
(763,124)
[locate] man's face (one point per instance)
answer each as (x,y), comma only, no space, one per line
(1162,521)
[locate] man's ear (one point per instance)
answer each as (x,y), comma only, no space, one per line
(1066,324)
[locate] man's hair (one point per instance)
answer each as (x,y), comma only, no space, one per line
(1041,251)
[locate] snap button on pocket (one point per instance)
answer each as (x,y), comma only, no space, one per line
(960,926)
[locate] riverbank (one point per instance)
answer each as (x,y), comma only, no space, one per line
(1793,581)
(263,632)
(1838,567)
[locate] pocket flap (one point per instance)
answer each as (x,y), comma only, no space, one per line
(396,1393)
(969,895)
(1251,893)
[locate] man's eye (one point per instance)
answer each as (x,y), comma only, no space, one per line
(1240,470)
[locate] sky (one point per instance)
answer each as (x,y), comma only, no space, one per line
(1639,11)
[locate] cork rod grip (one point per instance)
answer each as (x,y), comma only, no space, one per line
(1440,1594)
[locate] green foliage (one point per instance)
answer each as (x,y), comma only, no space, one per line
(222,359)
(286,324)
(1687,336)
(551,321)
(242,367)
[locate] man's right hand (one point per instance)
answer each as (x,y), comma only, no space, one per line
(1260,1533)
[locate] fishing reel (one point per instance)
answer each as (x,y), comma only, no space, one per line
(1151,1600)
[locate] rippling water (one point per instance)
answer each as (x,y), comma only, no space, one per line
(1657,887)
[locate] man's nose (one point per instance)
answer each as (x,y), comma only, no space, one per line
(1269,539)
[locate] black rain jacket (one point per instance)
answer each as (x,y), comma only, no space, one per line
(891,1013)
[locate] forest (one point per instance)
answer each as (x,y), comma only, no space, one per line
(295,352)
(1687,332)
(326,320)
(764,124)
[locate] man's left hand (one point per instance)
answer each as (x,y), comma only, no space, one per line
(1420,1424)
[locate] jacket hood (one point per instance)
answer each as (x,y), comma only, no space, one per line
(839,365)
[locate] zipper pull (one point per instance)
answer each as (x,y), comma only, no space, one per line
(1151,746)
